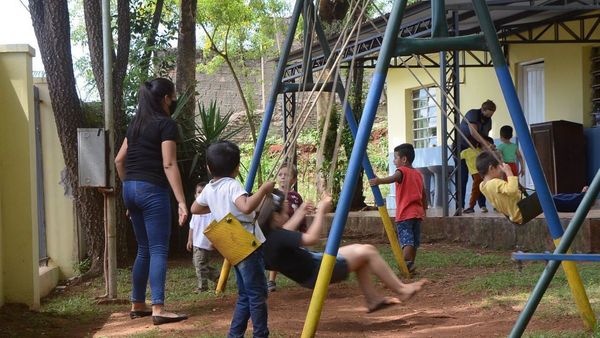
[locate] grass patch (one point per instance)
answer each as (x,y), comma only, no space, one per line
(564,334)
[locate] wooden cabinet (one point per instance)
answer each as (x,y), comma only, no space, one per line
(561,148)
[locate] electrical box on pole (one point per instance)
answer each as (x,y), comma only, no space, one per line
(91,155)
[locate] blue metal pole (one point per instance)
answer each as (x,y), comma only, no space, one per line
(364,128)
(535,168)
(268,115)
(383,212)
(356,157)
(552,266)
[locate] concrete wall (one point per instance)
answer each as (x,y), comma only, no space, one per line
(61,225)
(17,183)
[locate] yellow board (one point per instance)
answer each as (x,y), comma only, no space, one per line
(231,239)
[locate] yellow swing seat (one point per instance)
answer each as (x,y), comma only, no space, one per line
(231,239)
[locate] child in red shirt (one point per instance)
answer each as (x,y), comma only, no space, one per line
(410,201)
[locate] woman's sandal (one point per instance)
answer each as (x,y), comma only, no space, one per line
(159,320)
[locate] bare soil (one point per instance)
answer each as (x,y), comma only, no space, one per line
(440,310)
(436,312)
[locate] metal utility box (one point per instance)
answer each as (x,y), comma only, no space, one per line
(91,155)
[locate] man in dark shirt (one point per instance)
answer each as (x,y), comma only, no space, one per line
(475,126)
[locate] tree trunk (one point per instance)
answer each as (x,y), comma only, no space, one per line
(185,82)
(186,55)
(93,22)
(358,198)
(151,38)
(51,25)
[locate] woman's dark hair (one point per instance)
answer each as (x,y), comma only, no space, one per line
(484,160)
(271,203)
(222,157)
(149,97)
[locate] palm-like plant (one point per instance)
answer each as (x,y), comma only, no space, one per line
(197,134)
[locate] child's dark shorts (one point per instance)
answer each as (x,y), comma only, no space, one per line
(340,270)
(409,232)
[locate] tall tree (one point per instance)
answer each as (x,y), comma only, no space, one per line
(93,23)
(51,26)
(236,31)
(151,38)
(92,10)
(186,54)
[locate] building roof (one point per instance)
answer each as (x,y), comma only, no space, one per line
(510,17)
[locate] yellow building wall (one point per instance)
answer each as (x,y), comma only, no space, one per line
(20,256)
(1,265)
(61,228)
(567,82)
(61,231)
(400,85)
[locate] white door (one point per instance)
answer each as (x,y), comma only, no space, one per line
(531,92)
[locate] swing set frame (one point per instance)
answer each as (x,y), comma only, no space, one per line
(391,47)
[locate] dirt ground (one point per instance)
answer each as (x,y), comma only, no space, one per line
(440,310)
(436,312)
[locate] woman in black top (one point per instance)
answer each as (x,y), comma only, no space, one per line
(284,252)
(147,165)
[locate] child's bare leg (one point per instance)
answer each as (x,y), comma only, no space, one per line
(410,253)
(359,255)
(272,275)
(365,283)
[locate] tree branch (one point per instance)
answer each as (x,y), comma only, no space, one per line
(151,40)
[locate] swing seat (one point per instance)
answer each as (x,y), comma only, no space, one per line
(231,239)
(530,207)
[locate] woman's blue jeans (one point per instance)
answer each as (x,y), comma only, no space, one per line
(252,297)
(149,208)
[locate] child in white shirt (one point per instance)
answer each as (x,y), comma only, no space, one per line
(201,246)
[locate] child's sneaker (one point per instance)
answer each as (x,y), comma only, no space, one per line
(271,286)
(411,266)
(468,211)
(484,209)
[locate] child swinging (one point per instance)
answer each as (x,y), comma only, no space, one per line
(506,195)
(284,252)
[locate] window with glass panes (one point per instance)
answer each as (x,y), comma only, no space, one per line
(424,118)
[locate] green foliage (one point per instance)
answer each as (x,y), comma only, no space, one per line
(93,114)
(82,266)
(242,29)
(208,126)
(162,61)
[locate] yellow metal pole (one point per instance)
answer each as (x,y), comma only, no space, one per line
(318,297)
(223,276)
(393,238)
(578,291)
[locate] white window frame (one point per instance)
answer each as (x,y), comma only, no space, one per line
(431,139)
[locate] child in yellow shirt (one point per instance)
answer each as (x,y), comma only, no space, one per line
(469,155)
(504,195)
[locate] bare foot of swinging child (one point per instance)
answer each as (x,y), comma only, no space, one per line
(411,289)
